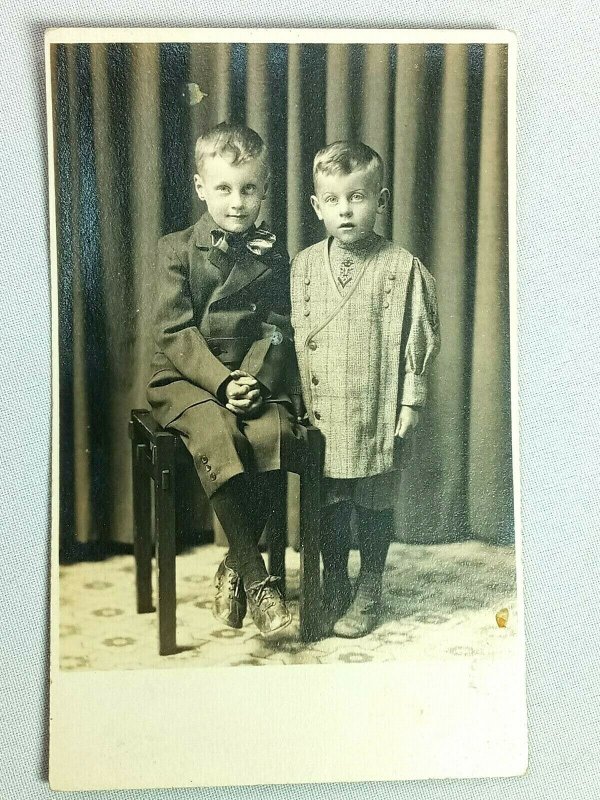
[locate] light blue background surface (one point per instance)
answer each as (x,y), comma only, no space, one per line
(559,364)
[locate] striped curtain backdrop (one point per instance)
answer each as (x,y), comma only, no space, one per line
(126,117)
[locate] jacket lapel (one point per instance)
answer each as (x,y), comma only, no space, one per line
(202,231)
(245,270)
(203,253)
(219,260)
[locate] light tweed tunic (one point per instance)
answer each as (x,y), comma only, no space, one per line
(362,352)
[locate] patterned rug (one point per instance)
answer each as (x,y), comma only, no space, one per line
(441,602)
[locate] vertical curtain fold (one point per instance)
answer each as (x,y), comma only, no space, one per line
(209,97)
(126,119)
(175,164)
(409,118)
(115,279)
(338,93)
(83,466)
(65,244)
(450,234)
(306,134)
(376,112)
(296,188)
(490,473)
(257,91)
(444,513)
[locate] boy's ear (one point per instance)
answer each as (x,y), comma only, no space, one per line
(199,186)
(315,204)
(383,200)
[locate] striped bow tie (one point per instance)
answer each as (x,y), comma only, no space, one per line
(258,242)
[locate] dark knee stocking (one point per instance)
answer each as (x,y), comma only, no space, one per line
(335,538)
(335,549)
(236,507)
(266,489)
(375,531)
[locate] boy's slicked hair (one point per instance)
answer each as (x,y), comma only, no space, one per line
(345,157)
(236,143)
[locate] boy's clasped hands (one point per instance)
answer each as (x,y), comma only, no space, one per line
(243,392)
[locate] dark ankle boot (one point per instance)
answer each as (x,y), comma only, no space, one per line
(363,615)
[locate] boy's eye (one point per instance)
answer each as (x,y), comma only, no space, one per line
(223,189)
(250,188)
(330,199)
(357,197)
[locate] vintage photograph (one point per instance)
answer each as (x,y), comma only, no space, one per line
(284,399)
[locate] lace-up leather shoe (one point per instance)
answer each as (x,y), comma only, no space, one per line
(229,606)
(267,606)
(362,616)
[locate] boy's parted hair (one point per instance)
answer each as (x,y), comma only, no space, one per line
(345,157)
(229,140)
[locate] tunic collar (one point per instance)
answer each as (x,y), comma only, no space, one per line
(362,248)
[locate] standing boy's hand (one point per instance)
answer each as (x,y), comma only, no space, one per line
(243,394)
(408,419)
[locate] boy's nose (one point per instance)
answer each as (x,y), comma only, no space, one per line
(345,209)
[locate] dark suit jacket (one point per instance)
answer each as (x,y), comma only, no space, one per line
(214,314)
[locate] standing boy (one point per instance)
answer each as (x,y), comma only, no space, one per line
(222,364)
(364,314)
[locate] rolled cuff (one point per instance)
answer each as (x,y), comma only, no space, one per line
(221,394)
(414,391)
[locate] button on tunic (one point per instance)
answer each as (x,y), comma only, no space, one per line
(368,362)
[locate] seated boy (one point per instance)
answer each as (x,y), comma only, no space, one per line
(220,371)
(365,321)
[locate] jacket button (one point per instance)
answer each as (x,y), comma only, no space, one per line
(306,298)
(212,476)
(392,276)
(307,312)
(386,304)
(388,289)
(207,467)
(253,307)
(307,281)
(314,380)
(317,414)
(312,345)
(204,459)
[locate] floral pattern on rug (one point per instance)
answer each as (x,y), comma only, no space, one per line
(440,602)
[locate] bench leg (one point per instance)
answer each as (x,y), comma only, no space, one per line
(310,563)
(277,531)
(142,534)
(165,542)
